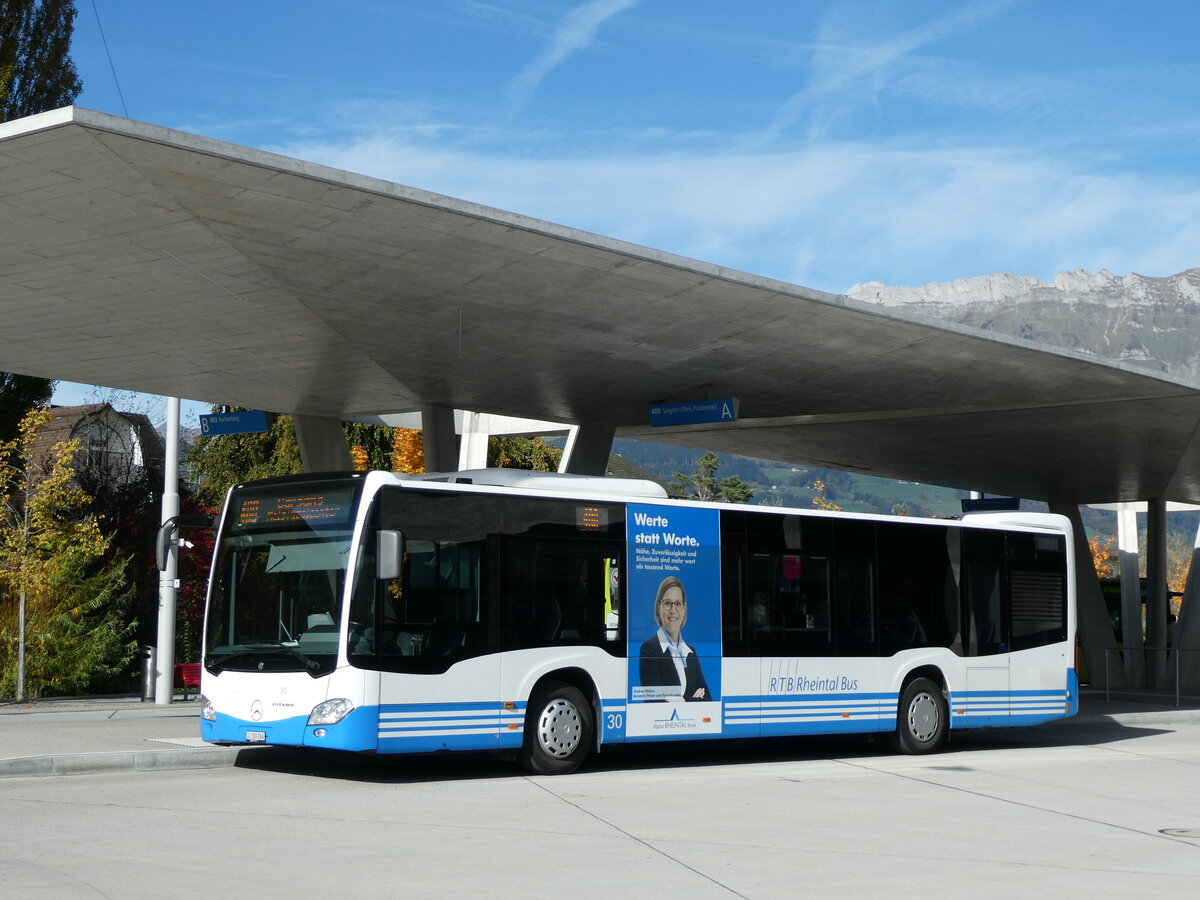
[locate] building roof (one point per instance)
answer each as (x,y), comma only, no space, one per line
(65,420)
(152,260)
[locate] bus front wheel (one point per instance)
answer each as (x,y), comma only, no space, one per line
(922,717)
(558,731)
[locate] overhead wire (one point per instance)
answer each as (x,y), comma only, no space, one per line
(108,53)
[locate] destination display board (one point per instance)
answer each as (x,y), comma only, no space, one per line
(309,505)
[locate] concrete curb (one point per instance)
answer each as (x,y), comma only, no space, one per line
(121,761)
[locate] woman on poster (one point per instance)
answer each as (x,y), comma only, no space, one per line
(666,660)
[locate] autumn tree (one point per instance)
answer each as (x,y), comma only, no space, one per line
(127,508)
(703,484)
(221,461)
(820,499)
(57,595)
(408,451)
(1104,557)
(374,443)
(516,452)
(195,555)
(1107,561)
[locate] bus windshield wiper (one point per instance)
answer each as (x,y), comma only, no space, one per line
(309,663)
(217,661)
(214,662)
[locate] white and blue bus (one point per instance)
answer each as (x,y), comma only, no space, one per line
(551,615)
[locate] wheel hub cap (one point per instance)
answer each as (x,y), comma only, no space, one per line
(923,717)
(560,728)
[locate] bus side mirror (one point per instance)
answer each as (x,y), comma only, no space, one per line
(389,555)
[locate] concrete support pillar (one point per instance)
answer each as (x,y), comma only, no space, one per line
(588,450)
(572,435)
(1156,592)
(1094,625)
(437,431)
(1131,595)
(1186,640)
(322,444)
(473,448)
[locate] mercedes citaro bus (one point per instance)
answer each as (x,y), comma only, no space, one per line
(551,615)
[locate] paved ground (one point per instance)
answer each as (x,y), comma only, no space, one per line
(102,734)
(1103,806)
(110,734)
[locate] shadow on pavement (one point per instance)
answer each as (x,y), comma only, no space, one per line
(427,768)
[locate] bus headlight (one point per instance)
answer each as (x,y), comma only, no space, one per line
(330,712)
(206,709)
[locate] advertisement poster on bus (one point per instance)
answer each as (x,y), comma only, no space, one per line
(674,595)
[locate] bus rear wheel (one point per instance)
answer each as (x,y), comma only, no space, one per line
(558,731)
(922,718)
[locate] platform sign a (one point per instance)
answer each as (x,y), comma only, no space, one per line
(233,423)
(694,412)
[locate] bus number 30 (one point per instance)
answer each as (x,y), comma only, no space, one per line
(615,721)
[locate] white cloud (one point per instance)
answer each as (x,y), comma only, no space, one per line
(827,216)
(849,67)
(576,31)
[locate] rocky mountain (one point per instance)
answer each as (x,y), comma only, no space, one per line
(1149,322)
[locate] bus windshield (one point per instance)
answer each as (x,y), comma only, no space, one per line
(279,576)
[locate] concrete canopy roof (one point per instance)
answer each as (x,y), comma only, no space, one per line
(152,260)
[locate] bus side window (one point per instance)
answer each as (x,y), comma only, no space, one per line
(918,595)
(983,552)
(789,604)
(558,592)
(1036,589)
(766,618)
(856,633)
(733,612)
(612,599)
(362,615)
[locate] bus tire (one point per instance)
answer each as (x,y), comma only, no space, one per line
(558,730)
(922,718)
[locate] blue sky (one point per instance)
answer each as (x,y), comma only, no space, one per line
(823,142)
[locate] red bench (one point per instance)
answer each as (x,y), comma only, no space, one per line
(187,675)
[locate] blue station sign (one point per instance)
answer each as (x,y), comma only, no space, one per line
(233,423)
(695,412)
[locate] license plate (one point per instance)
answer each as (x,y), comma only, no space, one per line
(256,736)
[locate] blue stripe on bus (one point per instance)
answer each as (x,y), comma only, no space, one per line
(830,713)
(982,709)
(481,705)
(770,714)
(467,725)
(1059,696)
(860,725)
